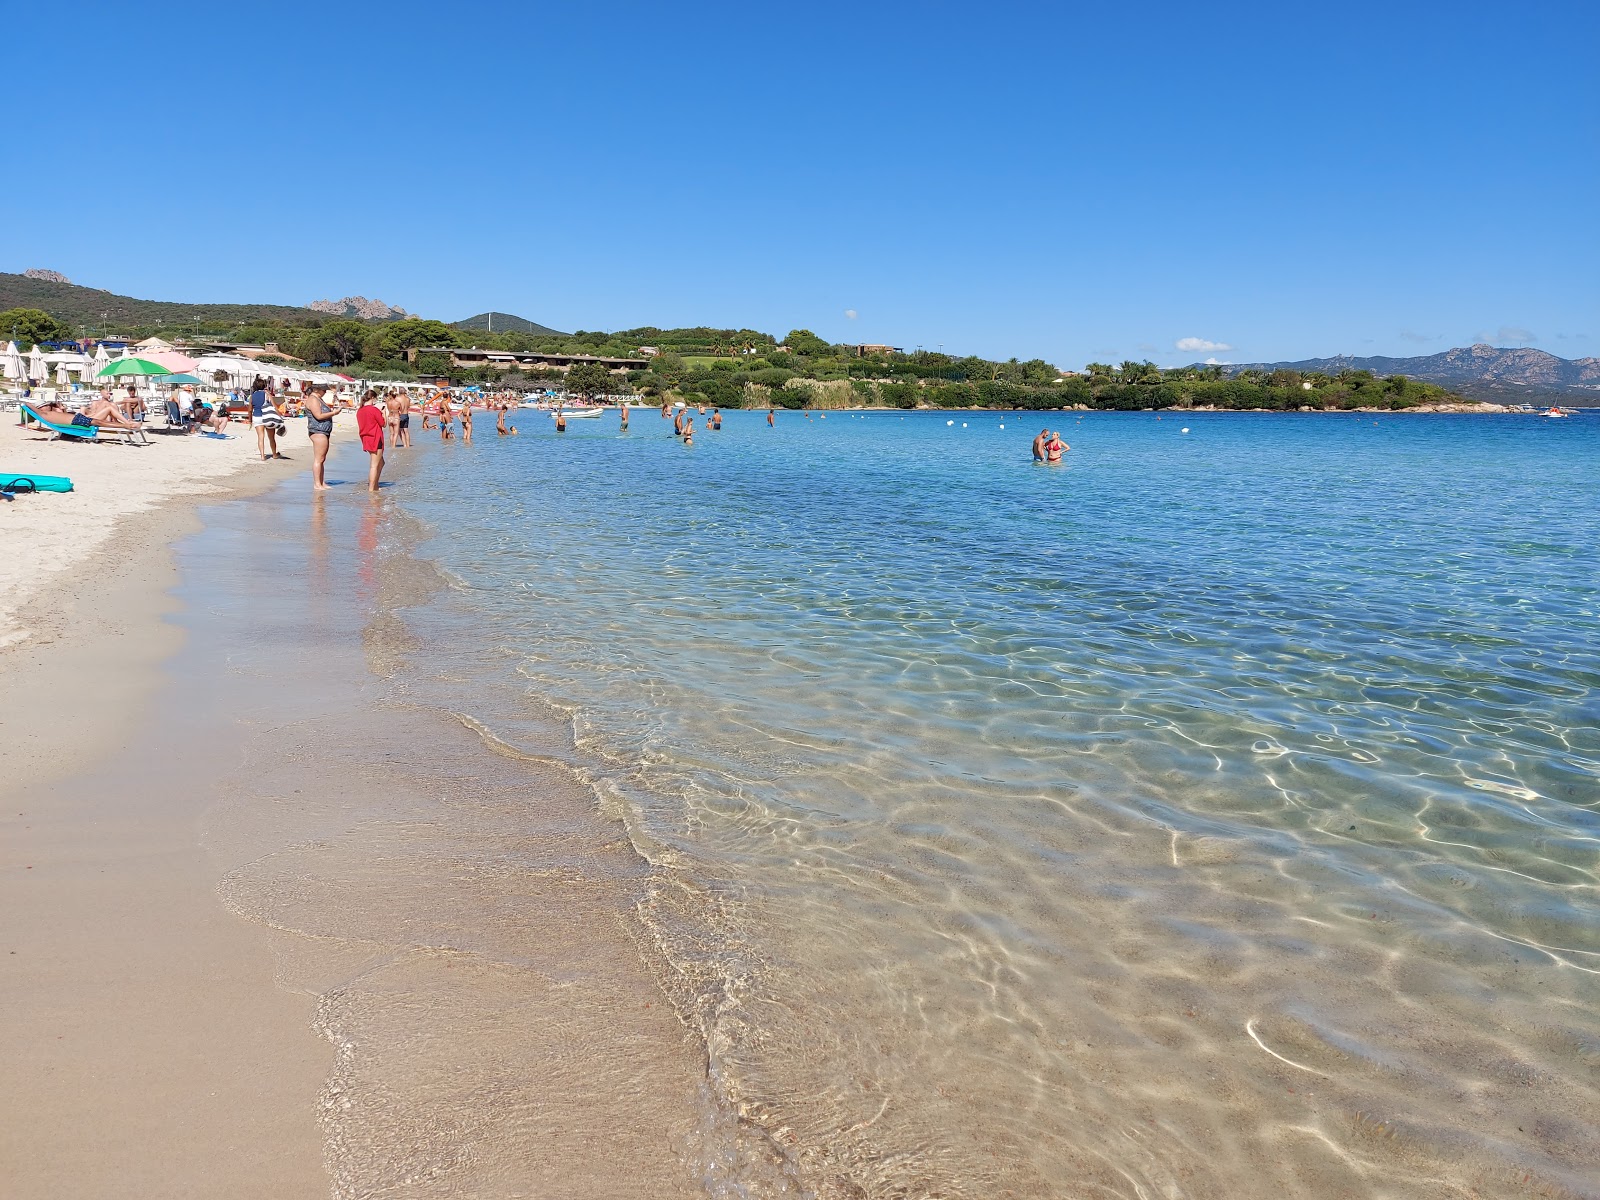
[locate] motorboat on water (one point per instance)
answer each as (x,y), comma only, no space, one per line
(578,412)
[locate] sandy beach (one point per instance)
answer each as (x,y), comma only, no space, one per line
(228,978)
(147,1049)
(45,535)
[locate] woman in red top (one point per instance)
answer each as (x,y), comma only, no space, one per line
(371,422)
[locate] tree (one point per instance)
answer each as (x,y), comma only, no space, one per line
(803,341)
(670,367)
(338,342)
(588,380)
(400,336)
(29,326)
(1099,368)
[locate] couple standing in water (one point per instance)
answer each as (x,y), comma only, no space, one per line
(1048,447)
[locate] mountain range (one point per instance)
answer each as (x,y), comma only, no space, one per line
(1507,376)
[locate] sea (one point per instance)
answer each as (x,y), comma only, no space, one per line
(1215,814)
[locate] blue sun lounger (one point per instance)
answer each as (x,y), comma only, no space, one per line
(84,433)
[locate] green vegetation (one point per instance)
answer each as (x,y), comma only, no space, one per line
(728,367)
(92,311)
(27,326)
(500,322)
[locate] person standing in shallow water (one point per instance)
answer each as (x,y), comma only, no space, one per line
(372,424)
(769,418)
(716,418)
(624,418)
(466,422)
(1038,445)
(1053,448)
(319,424)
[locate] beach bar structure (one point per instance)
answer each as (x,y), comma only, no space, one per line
(507,360)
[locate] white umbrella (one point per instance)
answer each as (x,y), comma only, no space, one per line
(61,375)
(11,361)
(36,365)
(101,358)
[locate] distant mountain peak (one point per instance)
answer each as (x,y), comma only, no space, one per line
(47,276)
(359,307)
(499,322)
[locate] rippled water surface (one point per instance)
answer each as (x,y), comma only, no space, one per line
(1217,815)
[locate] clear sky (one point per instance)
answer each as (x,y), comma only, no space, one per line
(1072,181)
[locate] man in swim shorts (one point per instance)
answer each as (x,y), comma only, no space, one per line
(1038,445)
(96,414)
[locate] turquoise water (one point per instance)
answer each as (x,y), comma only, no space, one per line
(1216,814)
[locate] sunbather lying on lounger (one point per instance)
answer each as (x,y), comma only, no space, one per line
(98,413)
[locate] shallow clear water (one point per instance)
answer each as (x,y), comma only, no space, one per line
(1218,814)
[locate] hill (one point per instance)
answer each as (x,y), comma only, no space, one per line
(93,309)
(1483,372)
(499,322)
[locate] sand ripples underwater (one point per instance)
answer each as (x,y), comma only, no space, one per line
(1218,816)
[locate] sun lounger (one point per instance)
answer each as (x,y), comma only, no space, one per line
(83,433)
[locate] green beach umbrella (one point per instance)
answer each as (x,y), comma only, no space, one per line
(175,380)
(132,366)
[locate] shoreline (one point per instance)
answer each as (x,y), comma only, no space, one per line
(52,533)
(186,979)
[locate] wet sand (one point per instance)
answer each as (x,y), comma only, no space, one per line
(273,931)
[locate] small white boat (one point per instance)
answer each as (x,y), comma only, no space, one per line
(579,412)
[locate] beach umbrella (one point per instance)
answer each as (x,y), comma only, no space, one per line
(101,358)
(171,359)
(130,366)
(37,368)
(181,379)
(11,361)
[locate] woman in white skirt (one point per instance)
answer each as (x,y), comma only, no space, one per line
(266,417)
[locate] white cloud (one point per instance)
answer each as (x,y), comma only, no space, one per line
(851,313)
(1194,343)
(1218,362)
(1508,335)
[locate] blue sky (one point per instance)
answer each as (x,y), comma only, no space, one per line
(1067,181)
